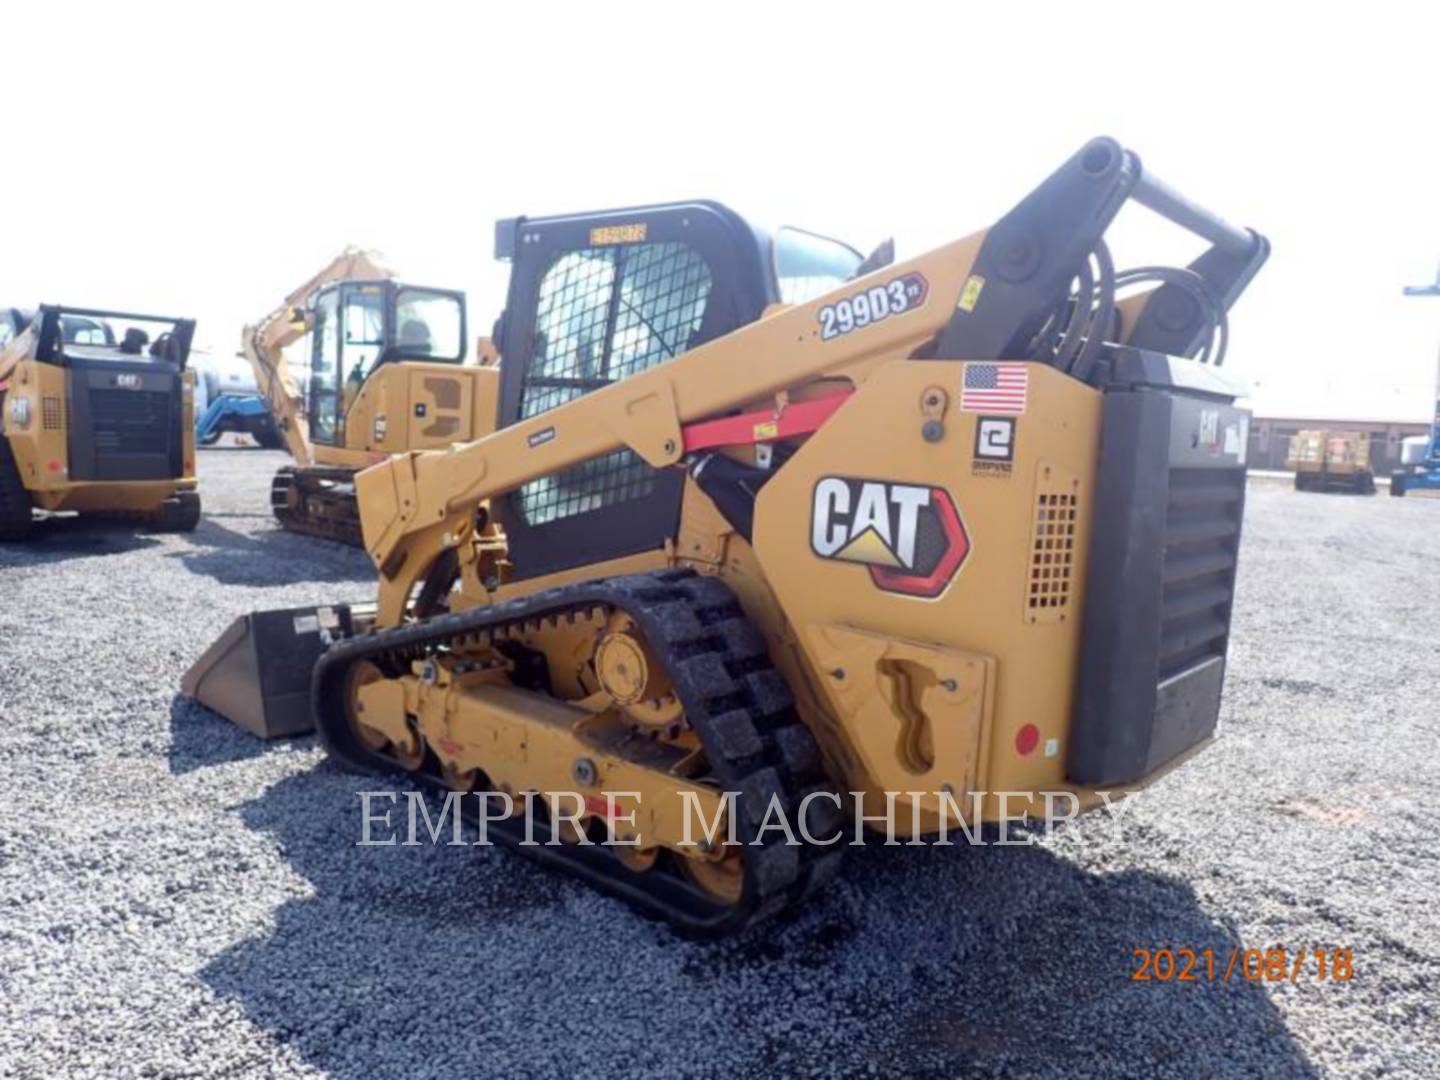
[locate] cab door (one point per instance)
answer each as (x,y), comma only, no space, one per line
(349,338)
(593,300)
(323,397)
(428,345)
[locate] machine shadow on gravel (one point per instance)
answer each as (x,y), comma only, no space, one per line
(1041,982)
(199,738)
(61,537)
(276,558)
(919,961)
(389,932)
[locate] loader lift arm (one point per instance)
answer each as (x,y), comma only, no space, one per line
(1023,289)
(264,341)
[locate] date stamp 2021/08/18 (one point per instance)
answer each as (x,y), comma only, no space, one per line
(1251,965)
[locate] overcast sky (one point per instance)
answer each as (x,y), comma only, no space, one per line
(202,159)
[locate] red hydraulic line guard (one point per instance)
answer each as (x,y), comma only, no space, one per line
(767,425)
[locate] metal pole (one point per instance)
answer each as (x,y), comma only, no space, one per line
(1431,290)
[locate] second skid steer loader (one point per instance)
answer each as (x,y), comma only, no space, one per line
(958,526)
(96,415)
(1331,461)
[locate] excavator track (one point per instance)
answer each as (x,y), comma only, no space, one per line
(317,502)
(737,704)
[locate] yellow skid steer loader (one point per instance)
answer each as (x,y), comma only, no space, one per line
(96,417)
(763,522)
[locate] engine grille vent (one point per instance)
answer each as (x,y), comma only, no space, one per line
(1052,547)
(52,414)
(130,421)
(1202,535)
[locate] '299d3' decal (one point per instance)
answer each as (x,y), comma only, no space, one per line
(911,538)
(872,305)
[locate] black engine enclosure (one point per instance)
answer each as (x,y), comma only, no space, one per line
(1170,495)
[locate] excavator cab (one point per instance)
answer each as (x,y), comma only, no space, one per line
(360,326)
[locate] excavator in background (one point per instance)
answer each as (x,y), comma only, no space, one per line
(386,374)
(96,415)
(763,522)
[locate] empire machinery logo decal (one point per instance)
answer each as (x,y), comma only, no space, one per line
(911,538)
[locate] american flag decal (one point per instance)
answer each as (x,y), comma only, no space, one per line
(994,388)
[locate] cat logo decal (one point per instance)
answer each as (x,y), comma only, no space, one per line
(910,537)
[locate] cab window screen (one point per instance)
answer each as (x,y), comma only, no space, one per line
(604,314)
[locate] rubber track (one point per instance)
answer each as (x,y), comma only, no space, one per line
(179,513)
(340,532)
(738,704)
(17,520)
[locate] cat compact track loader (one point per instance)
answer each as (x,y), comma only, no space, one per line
(763,522)
(96,416)
(1331,461)
(385,375)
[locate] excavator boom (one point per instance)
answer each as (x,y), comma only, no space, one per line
(264,342)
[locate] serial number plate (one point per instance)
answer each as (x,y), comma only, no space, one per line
(603,235)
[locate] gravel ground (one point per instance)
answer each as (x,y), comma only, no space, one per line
(176,900)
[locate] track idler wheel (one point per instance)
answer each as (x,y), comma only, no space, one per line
(628,670)
(721,875)
(634,858)
(409,751)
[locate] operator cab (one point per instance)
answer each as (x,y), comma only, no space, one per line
(74,329)
(360,325)
(87,330)
(81,338)
(596,298)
